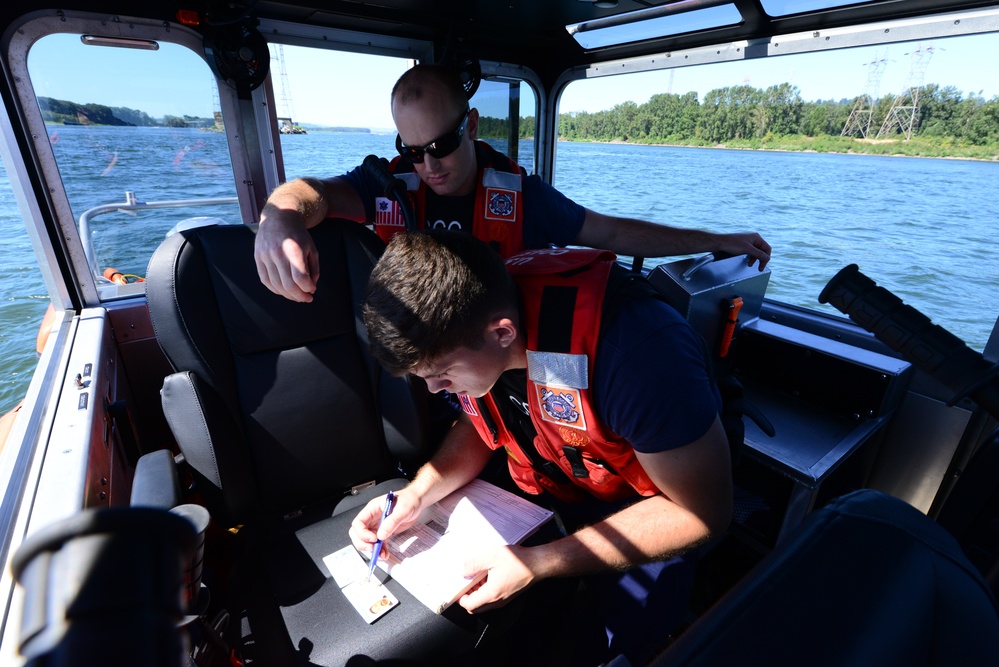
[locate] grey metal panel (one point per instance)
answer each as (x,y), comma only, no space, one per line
(810,441)
(918,446)
(844,351)
(699,289)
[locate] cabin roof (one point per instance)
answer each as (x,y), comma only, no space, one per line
(527,32)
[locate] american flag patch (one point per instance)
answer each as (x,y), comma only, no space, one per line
(468,405)
(387,213)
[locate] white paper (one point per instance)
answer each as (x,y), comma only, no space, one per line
(429,557)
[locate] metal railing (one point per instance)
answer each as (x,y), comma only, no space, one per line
(132,204)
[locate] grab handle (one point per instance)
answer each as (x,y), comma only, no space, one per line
(928,346)
(701,262)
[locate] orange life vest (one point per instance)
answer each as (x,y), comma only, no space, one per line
(499,207)
(563,295)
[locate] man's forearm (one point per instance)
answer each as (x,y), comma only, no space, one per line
(652,529)
(305,197)
(628,236)
(460,458)
(641,238)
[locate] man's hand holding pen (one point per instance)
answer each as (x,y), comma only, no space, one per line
(373,524)
(377,549)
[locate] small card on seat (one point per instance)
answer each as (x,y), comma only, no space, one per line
(370,598)
(346,566)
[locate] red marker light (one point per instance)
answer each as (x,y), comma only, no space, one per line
(188,17)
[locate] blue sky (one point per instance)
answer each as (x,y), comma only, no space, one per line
(331,88)
(826,75)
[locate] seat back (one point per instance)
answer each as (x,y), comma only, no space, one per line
(277,405)
(866,580)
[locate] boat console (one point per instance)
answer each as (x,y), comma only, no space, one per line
(823,402)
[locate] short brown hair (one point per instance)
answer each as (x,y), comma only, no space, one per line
(422,80)
(431,293)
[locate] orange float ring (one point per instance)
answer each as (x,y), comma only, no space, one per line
(7,423)
(115,276)
(119,278)
(44,329)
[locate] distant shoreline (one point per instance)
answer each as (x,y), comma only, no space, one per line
(915,148)
(989,154)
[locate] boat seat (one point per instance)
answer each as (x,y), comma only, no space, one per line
(288,426)
(155,482)
(866,580)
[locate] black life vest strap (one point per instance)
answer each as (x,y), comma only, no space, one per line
(538,463)
(575,458)
(558,305)
(487,416)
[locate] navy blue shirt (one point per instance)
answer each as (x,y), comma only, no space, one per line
(550,218)
(651,382)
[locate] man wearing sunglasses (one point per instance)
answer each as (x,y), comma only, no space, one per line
(456,182)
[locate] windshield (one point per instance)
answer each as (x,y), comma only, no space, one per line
(880,156)
(130,127)
(322,139)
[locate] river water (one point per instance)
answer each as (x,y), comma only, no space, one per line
(923,228)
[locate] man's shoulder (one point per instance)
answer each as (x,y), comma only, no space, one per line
(634,310)
(628,287)
(357,178)
(538,191)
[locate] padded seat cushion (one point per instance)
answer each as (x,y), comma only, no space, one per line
(319,622)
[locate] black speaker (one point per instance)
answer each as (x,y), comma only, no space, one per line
(238,55)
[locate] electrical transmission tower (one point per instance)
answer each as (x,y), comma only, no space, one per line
(859,121)
(216,106)
(904,113)
(286,112)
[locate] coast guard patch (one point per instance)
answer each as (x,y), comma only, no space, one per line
(468,405)
(560,405)
(388,213)
(500,204)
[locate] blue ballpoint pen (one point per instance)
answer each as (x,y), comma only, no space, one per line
(389,503)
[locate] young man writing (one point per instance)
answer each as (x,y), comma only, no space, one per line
(604,405)
(456,182)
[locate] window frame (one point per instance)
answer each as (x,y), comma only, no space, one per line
(75,287)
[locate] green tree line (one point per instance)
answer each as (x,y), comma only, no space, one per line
(62,111)
(948,123)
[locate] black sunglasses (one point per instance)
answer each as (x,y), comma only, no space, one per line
(439,148)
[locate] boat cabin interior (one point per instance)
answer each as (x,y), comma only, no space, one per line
(184,424)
